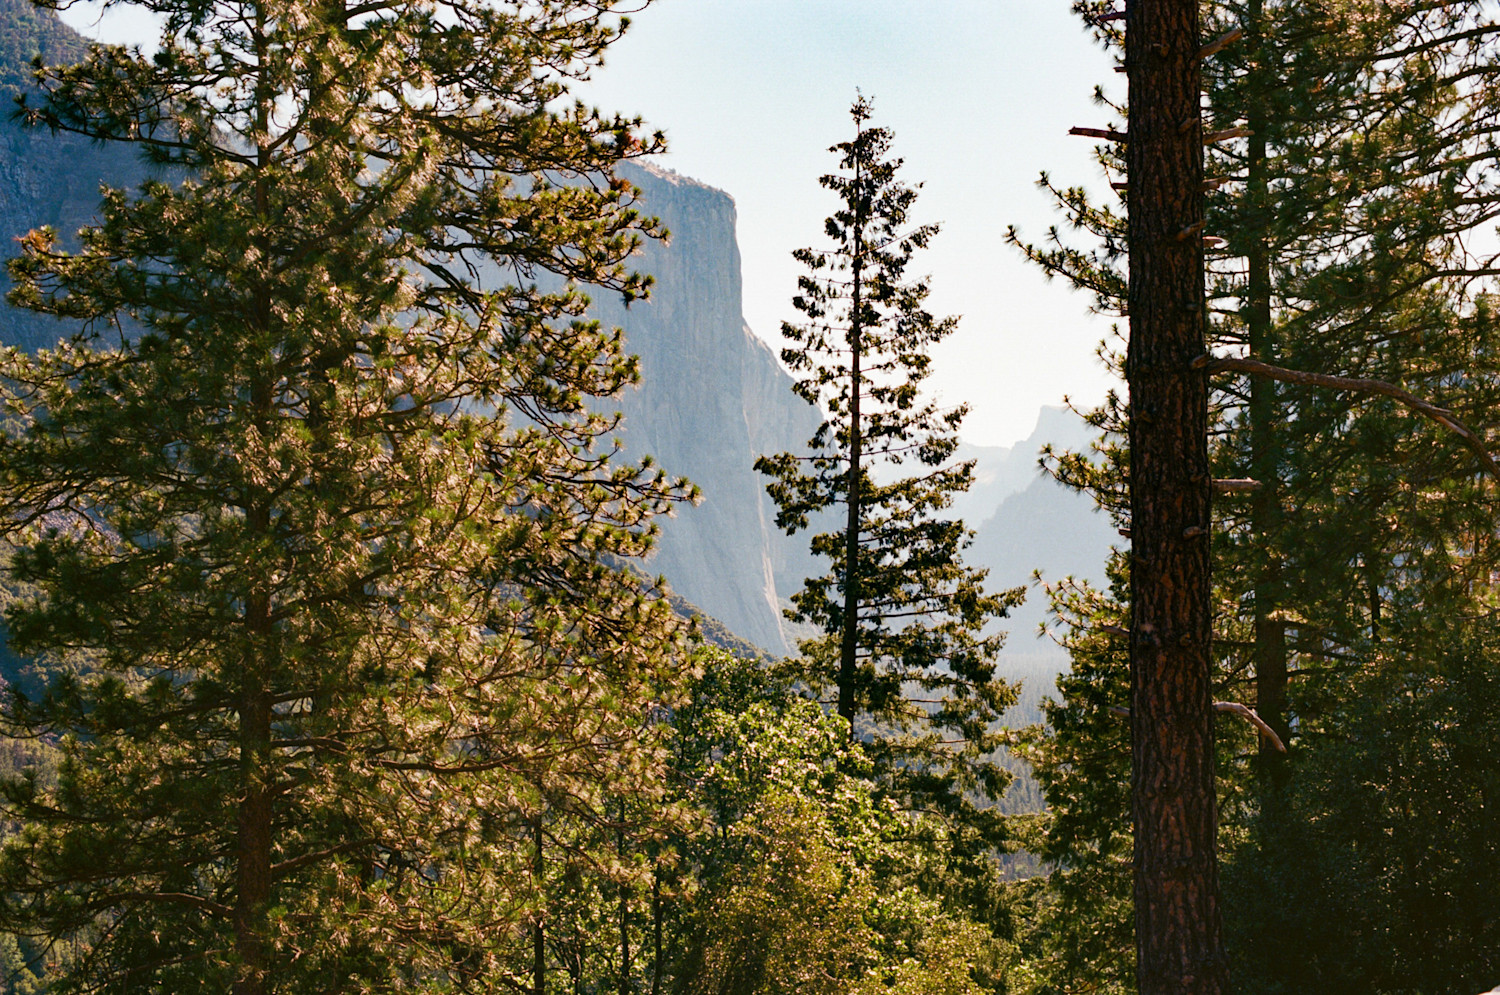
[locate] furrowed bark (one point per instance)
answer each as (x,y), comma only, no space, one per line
(253,841)
(539,927)
(1179,951)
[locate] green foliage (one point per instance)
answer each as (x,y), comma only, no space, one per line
(1366,555)
(1080,936)
(28,963)
(1382,865)
(323,527)
(901,615)
(807,878)
(1381,871)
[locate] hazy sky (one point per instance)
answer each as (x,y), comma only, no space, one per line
(980,95)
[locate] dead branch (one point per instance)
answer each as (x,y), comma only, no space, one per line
(1248,714)
(1236,485)
(1238,131)
(1107,135)
(1217,45)
(1243,711)
(1361,385)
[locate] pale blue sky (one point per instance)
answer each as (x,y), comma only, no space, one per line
(980,95)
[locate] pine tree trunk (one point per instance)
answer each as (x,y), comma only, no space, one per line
(656,937)
(624,899)
(253,840)
(849,645)
(539,928)
(1178,944)
(1265,510)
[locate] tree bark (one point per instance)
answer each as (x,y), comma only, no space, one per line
(1178,945)
(1270,655)
(656,937)
(253,840)
(255,814)
(624,898)
(539,927)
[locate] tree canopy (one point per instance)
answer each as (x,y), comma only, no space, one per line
(325,533)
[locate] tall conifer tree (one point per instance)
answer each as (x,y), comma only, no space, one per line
(320,518)
(1365,546)
(1179,949)
(900,612)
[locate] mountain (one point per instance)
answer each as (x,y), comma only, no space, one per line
(1036,524)
(712,398)
(27,31)
(1000,471)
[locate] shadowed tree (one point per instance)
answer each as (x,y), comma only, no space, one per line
(903,653)
(1177,920)
(1368,535)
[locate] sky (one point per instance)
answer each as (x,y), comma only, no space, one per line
(979,94)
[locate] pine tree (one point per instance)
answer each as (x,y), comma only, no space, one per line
(1179,949)
(1381,208)
(806,876)
(321,518)
(901,615)
(1367,548)
(1366,544)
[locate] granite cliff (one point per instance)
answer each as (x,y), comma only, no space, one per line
(712,399)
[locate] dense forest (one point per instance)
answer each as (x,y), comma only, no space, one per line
(332,660)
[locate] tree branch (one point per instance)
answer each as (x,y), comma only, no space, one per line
(1360,385)
(1243,711)
(1106,134)
(1248,714)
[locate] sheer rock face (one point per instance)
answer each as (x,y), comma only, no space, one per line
(712,399)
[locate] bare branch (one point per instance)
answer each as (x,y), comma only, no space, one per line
(1243,711)
(1217,45)
(1248,714)
(1361,385)
(1107,135)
